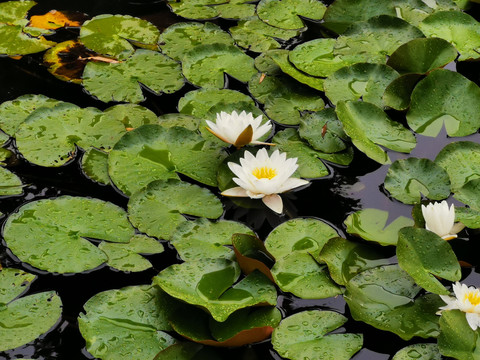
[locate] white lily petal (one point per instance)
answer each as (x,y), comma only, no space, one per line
(235,192)
(473,320)
(274,202)
(439,218)
(292,183)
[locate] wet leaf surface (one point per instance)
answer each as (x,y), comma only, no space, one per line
(286,14)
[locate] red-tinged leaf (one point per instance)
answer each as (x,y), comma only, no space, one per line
(242,338)
(251,254)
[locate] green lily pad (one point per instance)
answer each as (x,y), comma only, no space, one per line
(26,318)
(10,184)
(457,339)
(50,135)
(95,165)
(370,224)
(323,131)
(345,259)
(205,65)
(409,179)
(304,336)
(122,81)
(252,255)
(187,351)
(386,298)
(376,38)
(208,283)
(419,352)
(117,321)
(296,246)
(461,160)
(421,56)
(316,57)
(115,35)
(470,194)
(398,92)
(467,216)
(189,122)
(51,234)
(15,12)
(208,9)
(445,97)
(202,238)
(255,35)
(365,81)
(368,126)
(15,112)
(424,256)
(152,152)
(126,257)
(265,64)
(178,39)
(130,115)
(458,28)
(286,14)
(156,210)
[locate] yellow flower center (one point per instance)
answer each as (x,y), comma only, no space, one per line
(264,173)
(473,297)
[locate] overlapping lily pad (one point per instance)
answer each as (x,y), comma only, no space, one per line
(409,179)
(305,335)
(52,234)
(209,283)
(187,351)
(419,352)
(156,210)
(10,184)
(95,165)
(208,9)
(469,194)
(286,14)
(26,318)
(117,321)
(252,255)
(115,35)
(445,98)
(398,92)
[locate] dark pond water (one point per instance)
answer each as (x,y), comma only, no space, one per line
(332,198)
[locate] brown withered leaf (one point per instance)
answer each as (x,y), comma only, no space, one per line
(55,19)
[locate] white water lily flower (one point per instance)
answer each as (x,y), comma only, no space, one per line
(239,129)
(439,218)
(467,299)
(264,177)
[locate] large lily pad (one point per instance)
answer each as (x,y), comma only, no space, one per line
(386,298)
(457,339)
(156,210)
(365,81)
(409,179)
(52,234)
(95,165)
(445,98)
(208,283)
(470,194)
(10,184)
(458,28)
(117,321)
(285,14)
(368,126)
(152,152)
(205,65)
(122,81)
(24,319)
(419,352)
(371,225)
(208,9)
(398,92)
(115,35)
(304,335)
(203,238)
(425,255)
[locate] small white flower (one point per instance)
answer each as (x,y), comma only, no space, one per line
(264,177)
(439,218)
(467,299)
(239,129)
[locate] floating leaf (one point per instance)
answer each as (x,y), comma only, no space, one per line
(424,255)
(178,39)
(156,210)
(117,321)
(187,351)
(24,319)
(121,81)
(370,224)
(461,160)
(251,254)
(304,335)
(203,238)
(419,352)
(95,165)
(57,19)
(208,9)
(384,297)
(10,184)
(126,257)
(175,119)
(130,115)
(469,194)
(152,152)
(51,234)
(445,97)
(255,35)
(458,28)
(205,65)
(409,179)
(15,12)
(359,81)
(422,56)
(286,14)
(208,283)
(115,35)
(467,216)
(398,92)
(367,125)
